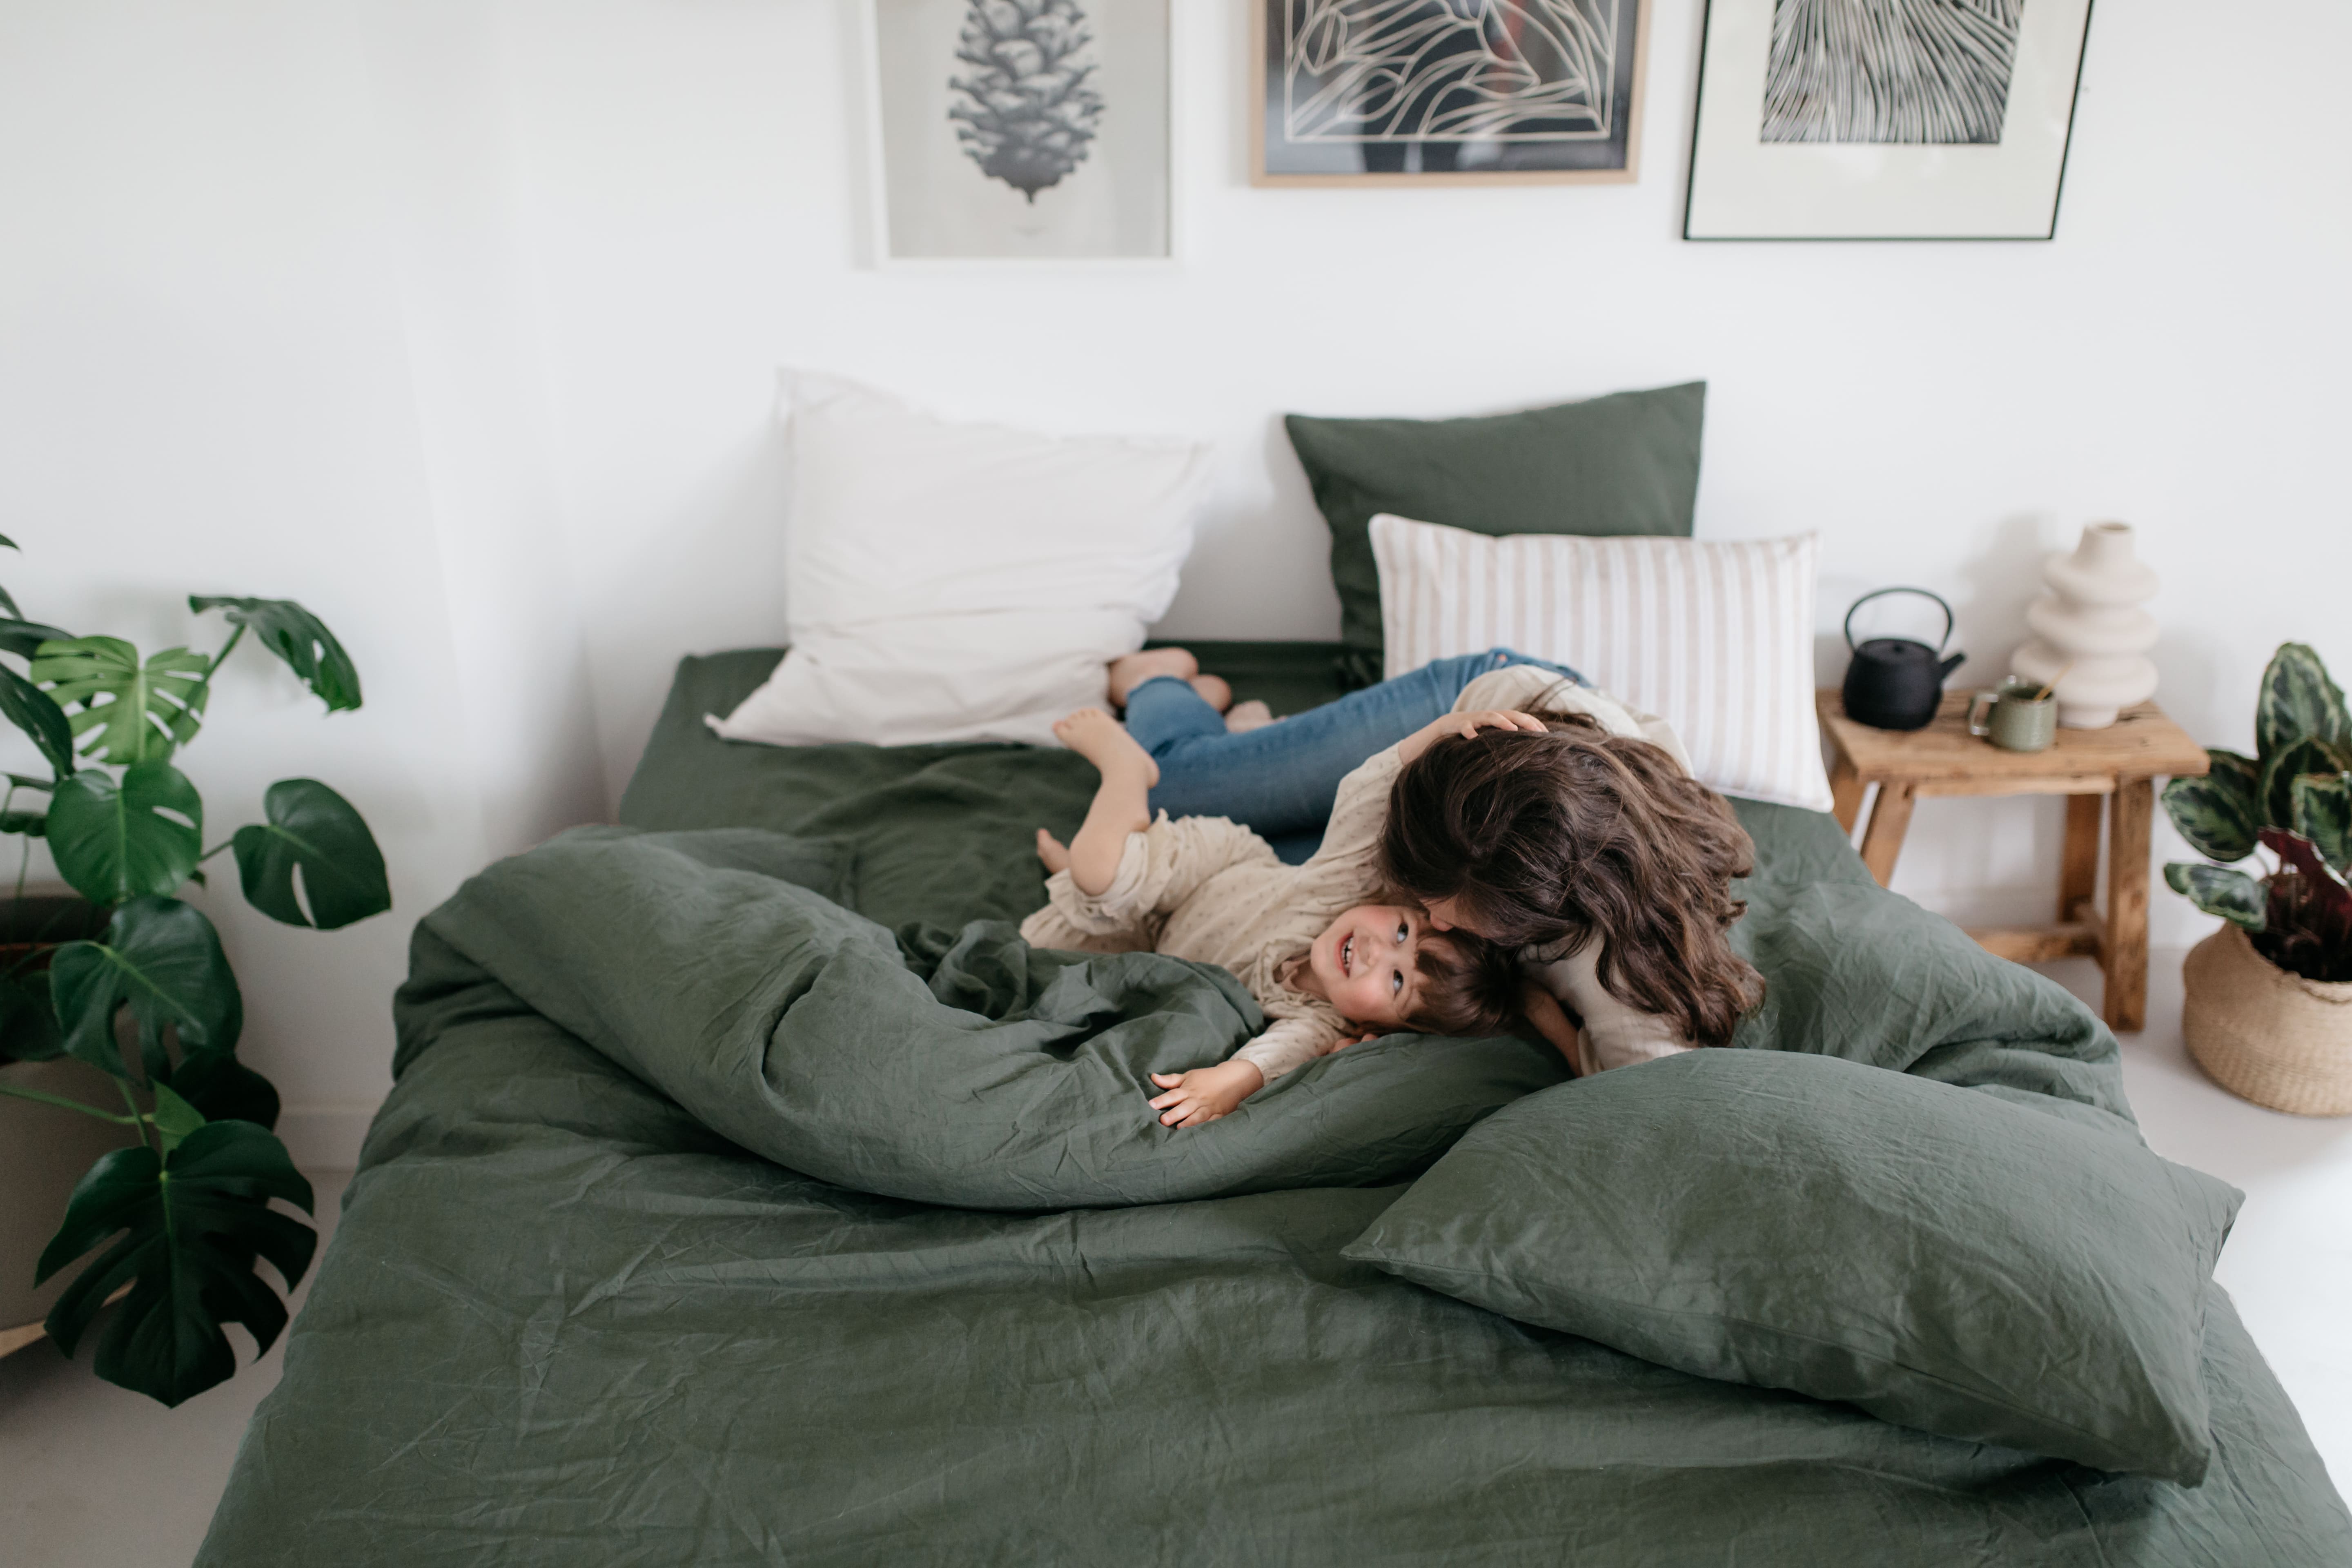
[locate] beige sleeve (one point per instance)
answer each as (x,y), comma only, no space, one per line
(1531,688)
(1360,811)
(1159,869)
(1287,1045)
(1049,927)
(1616,1033)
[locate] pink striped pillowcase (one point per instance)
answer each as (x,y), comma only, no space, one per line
(1715,638)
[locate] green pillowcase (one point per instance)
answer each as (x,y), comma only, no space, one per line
(1943,1258)
(1627,463)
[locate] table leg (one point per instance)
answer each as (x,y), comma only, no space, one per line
(1846,792)
(1889,820)
(2078,865)
(2124,954)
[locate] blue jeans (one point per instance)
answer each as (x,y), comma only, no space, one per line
(1281,780)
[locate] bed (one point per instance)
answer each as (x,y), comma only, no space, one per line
(567,1318)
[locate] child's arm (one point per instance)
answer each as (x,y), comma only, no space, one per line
(1122,801)
(1205,1094)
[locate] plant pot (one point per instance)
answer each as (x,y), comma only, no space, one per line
(2266,1035)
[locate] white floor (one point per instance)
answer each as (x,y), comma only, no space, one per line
(92,1477)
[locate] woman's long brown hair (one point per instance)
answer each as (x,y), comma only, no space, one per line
(1576,835)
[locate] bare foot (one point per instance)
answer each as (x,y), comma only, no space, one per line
(1135,668)
(1104,742)
(1213,691)
(1053,852)
(1243,717)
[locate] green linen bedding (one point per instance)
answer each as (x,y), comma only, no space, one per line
(572,1314)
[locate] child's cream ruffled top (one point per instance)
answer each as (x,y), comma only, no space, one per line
(1209,889)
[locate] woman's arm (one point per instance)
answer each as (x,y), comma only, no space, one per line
(1421,739)
(1551,1020)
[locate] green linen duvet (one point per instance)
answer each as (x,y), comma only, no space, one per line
(748,1198)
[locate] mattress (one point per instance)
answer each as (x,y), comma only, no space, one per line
(563,1320)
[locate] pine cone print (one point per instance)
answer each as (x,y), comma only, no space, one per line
(1028,113)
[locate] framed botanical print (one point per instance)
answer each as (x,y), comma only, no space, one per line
(1004,131)
(1412,93)
(1884,119)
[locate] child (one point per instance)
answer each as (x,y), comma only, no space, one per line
(1325,959)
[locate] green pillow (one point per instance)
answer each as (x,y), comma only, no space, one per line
(1943,1258)
(1627,463)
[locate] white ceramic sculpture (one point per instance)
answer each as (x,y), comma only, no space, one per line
(2090,633)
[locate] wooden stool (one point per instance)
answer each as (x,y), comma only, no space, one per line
(2121,763)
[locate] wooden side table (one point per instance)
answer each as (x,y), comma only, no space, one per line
(2120,764)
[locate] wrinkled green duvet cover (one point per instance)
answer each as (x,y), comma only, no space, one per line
(651,1258)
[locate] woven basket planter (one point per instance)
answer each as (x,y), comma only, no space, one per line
(2265,1035)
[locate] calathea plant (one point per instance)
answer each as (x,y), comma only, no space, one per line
(152,1002)
(2294,798)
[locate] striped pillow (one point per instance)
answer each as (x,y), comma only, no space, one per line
(1715,638)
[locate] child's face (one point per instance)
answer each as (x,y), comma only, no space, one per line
(1365,963)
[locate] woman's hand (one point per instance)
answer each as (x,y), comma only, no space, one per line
(1551,1020)
(1204,1094)
(1421,739)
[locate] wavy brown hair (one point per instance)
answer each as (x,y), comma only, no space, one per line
(1468,985)
(1577,835)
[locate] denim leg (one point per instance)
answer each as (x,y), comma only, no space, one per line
(1282,779)
(1165,710)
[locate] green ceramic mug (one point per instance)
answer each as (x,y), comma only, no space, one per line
(2010,718)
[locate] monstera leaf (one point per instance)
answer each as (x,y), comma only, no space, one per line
(140,712)
(313,828)
(2322,814)
(36,714)
(116,841)
(2216,889)
(188,1224)
(2298,702)
(24,639)
(299,638)
(2220,812)
(162,960)
(226,1090)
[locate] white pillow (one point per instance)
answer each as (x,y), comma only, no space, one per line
(961,582)
(1716,637)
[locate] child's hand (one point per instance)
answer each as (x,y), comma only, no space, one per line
(1422,739)
(1204,1094)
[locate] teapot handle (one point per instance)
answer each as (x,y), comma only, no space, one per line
(1881,593)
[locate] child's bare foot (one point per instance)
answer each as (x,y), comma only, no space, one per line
(1135,668)
(1102,741)
(1242,717)
(1213,691)
(1053,852)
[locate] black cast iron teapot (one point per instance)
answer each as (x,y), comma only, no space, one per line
(1895,683)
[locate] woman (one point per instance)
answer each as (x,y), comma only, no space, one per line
(1584,842)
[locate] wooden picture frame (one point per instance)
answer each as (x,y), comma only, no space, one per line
(1593,136)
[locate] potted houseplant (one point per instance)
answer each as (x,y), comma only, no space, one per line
(130,995)
(2269,1006)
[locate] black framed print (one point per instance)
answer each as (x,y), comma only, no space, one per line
(1884,119)
(1411,92)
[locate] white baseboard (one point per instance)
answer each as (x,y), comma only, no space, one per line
(326,1137)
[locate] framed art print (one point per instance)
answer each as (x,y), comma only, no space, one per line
(1884,119)
(1411,92)
(1020,129)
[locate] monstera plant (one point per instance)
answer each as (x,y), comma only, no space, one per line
(182,1211)
(2292,798)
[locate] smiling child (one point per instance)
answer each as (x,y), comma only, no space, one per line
(1329,964)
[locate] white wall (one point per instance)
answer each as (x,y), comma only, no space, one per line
(461,323)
